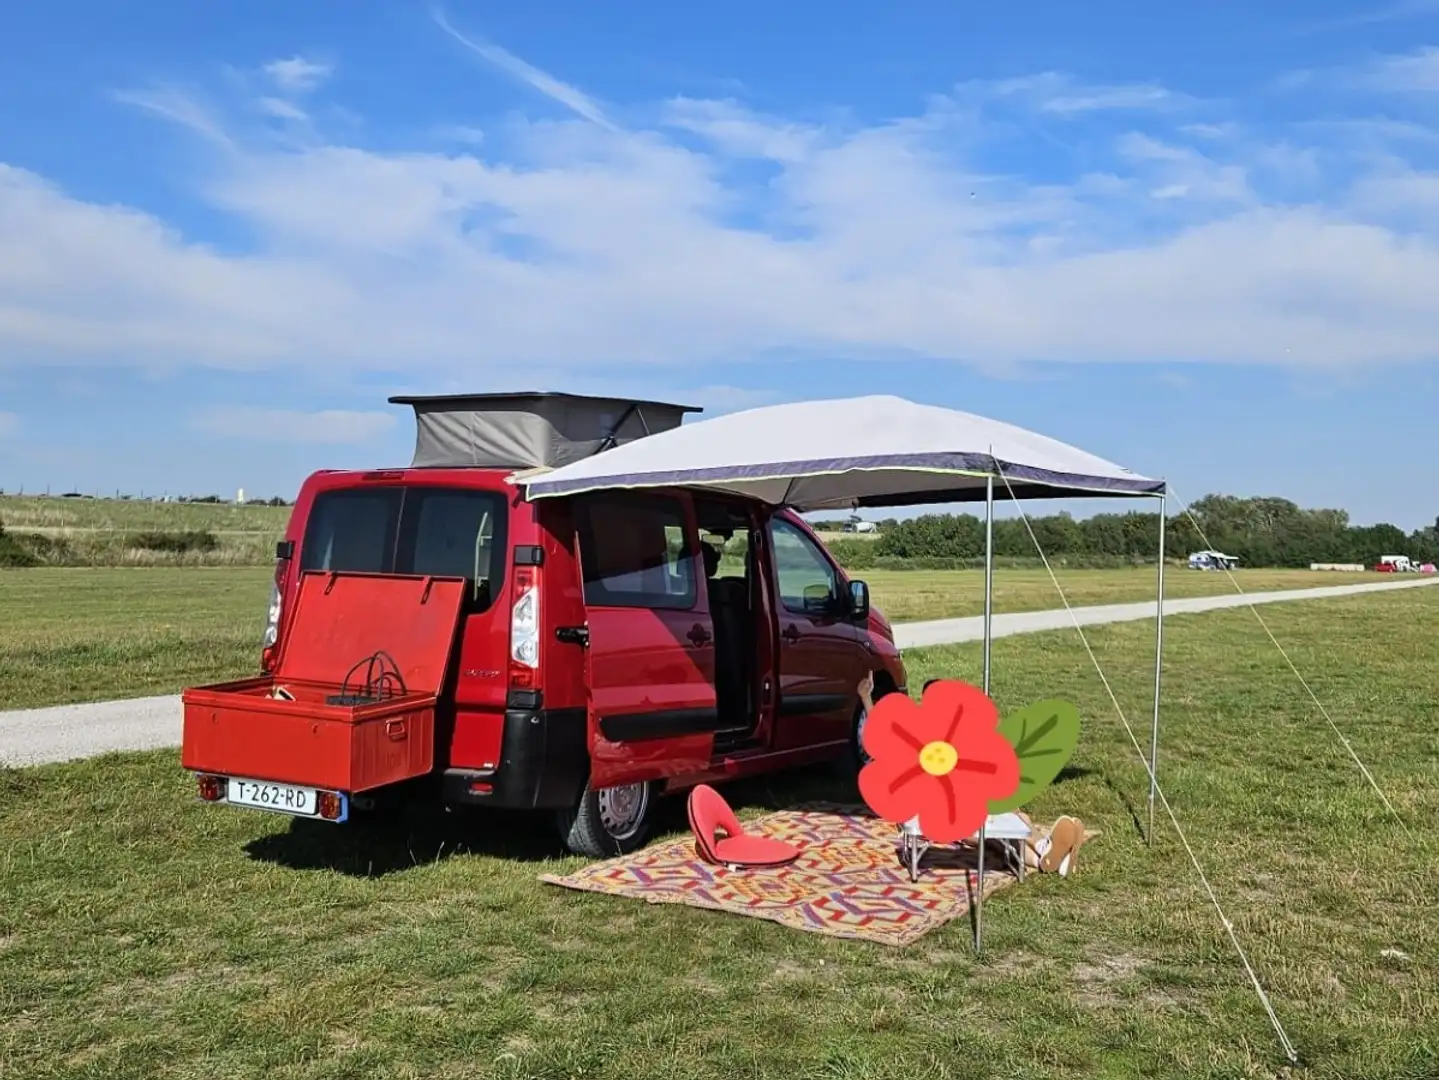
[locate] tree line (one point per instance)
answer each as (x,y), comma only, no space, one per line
(1260,532)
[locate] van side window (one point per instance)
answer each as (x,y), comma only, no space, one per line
(808,583)
(635,551)
(352,531)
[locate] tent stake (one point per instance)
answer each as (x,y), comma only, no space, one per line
(1158,669)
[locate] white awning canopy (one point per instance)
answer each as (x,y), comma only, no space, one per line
(867,451)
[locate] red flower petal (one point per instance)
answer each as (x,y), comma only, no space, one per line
(954,809)
(951,705)
(887,729)
(895,787)
(952,806)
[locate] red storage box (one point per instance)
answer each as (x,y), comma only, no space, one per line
(345,628)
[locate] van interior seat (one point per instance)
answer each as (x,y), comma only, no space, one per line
(730,612)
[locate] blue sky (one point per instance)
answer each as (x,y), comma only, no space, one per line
(1203,243)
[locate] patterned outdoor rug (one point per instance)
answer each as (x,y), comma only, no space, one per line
(848,881)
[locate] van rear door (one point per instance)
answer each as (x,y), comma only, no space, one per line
(653,711)
(390,525)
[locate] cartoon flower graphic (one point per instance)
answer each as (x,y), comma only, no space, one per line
(942,759)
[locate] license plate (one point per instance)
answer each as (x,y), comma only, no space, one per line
(262,795)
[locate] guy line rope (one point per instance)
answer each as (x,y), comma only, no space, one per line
(1284,1042)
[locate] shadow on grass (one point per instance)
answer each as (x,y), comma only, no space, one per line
(1073,772)
(1126,802)
(786,790)
(397,840)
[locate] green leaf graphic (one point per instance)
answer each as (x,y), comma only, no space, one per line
(1044,736)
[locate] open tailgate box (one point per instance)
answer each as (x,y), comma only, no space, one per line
(364,658)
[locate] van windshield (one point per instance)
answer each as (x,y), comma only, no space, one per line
(448,532)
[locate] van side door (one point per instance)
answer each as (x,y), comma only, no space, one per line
(651,668)
(821,658)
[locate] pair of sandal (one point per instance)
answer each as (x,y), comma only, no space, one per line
(1057,852)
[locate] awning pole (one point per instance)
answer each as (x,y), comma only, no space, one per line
(988,641)
(1158,670)
(988,574)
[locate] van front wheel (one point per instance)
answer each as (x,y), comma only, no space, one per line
(609,821)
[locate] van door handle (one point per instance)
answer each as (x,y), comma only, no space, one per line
(790,633)
(574,635)
(698,635)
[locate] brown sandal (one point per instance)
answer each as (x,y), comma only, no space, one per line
(1064,840)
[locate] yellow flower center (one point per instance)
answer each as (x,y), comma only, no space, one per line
(938,758)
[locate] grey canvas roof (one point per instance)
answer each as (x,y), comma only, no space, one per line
(529,430)
(866,451)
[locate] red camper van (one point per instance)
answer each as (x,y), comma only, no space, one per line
(432,632)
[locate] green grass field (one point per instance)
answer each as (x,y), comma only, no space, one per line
(144,935)
(34,514)
(88,634)
(107,532)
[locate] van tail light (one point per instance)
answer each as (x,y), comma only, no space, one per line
(525,629)
(211,788)
(283,552)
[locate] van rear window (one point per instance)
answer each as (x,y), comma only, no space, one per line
(448,532)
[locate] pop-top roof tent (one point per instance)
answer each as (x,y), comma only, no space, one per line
(529,430)
(867,451)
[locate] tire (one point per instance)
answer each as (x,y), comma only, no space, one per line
(858,759)
(609,821)
(855,759)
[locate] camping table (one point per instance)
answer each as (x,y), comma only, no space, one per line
(1008,828)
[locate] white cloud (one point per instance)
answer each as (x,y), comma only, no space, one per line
(546,84)
(1185,172)
(1060,94)
(467,134)
(1416,72)
(1400,74)
(735,130)
(1403,9)
(716,235)
(281,109)
(719,399)
(292,426)
(9,425)
(1400,190)
(172,104)
(297,74)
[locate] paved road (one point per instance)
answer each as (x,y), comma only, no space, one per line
(64,732)
(950,631)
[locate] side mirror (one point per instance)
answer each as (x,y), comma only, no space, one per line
(817,599)
(859,599)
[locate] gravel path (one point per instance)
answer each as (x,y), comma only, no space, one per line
(65,732)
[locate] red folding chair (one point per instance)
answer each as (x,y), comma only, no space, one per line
(720,839)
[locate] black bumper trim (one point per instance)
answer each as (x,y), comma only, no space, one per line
(544,763)
(661,724)
(812,704)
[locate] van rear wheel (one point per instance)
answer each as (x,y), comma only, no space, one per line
(609,821)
